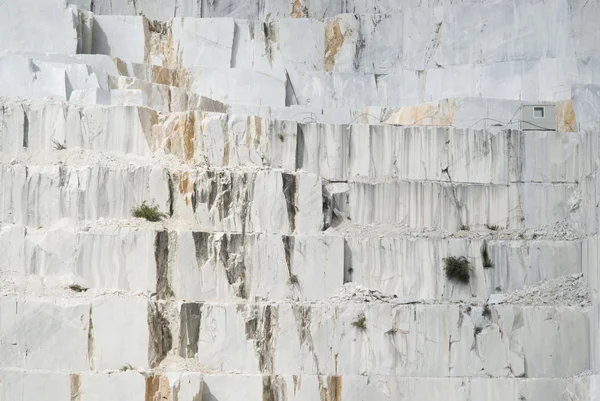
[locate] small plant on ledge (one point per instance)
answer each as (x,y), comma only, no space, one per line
(493,227)
(58,145)
(127,367)
(149,213)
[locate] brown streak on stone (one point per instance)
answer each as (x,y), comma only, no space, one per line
(565,116)
(333,42)
(151,388)
(75,387)
(257,131)
(159,43)
(161,75)
(186,187)
(121,66)
(188,135)
(157,389)
(298,9)
(334,388)
(226,148)
(249,122)
(148,119)
(322,389)
(441,114)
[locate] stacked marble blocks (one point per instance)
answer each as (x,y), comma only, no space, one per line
(294,200)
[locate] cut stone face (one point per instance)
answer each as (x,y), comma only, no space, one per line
(277,200)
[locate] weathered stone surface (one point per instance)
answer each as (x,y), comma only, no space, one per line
(211,267)
(104,257)
(42,195)
(203,42)
(42,26)
(260,201)
(206,266)
(315,164)
(40,125)
(222,140)
(22,77)
(32,331)
(114,385)
(23,386)
(240,86)
(415,267)
(342,152)
(108,34)
(119,334)
(448,206)
(321,339)
(223,200)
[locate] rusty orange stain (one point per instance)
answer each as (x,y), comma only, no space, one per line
(333,42)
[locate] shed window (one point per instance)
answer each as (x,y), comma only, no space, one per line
(538,112)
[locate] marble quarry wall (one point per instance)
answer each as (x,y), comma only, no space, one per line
(260,200)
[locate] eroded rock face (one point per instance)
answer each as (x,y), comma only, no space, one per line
(304,175)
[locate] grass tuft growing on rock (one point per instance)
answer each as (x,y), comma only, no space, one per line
(58,145)
(360,323)
(127,367)
(458,269)
(464,227)
(493,227)
(149,213)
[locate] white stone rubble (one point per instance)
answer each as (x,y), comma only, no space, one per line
(565,291)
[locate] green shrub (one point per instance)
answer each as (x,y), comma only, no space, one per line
(360,323)
(149,213)
(293,280)
(458,269)
(464,227)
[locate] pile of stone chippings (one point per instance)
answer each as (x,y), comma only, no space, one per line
(352,292)
(564,291)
